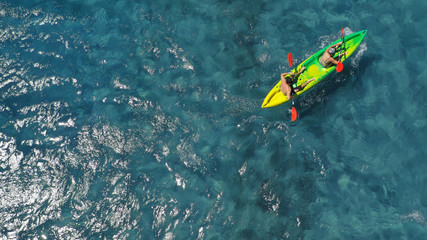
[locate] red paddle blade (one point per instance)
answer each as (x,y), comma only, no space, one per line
(342,32)
(290,59)
(340,67)
(294,114)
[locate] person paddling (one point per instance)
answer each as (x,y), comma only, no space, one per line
(289,83)
(327,59)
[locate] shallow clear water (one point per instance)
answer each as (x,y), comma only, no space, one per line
(143,120)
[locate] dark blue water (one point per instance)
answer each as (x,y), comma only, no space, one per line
(142,120)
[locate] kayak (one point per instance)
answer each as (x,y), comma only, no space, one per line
(313,69)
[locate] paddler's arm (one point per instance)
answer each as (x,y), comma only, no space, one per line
(343,54)
(336,45)
(300,71)
(333,46)
(334,61)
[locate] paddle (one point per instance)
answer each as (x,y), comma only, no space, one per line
(340,66)
(294,113)
(290,59)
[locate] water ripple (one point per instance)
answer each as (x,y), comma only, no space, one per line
(141,120)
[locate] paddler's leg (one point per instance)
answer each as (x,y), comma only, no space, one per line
(302,86)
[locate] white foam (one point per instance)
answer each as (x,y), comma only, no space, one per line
(361,51)
(414,216)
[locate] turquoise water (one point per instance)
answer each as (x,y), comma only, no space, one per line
(142,120)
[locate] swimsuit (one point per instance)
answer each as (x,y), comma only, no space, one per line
(324,63)
(292,89)
(293,85)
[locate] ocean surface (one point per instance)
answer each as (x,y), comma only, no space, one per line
(142,119)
